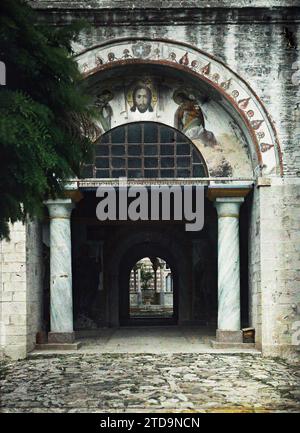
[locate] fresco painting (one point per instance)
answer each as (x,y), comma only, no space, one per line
(170,101)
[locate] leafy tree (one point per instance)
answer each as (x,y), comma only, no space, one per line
(146,277)
(46,115)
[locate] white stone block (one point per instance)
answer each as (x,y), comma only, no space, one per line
(6,296)
(16,308)
(19,296)
(15,319)
(18,276)
(16,352)
(20,247)
(15,330)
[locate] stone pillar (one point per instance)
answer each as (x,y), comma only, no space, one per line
(229,309)
(61,304)
(134,279)
(139,289)
(162,284)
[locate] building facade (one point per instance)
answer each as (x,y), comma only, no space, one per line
(188,93)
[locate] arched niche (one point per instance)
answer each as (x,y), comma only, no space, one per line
(189,90)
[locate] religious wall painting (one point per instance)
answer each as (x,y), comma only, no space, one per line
(104,109)
(170,101)
(189,117)
(142,96)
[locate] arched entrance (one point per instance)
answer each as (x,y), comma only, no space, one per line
(150,315)
(230,142)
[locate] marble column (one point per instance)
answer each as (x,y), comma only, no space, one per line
(134,279)
(162,284)
(139,289)
(229,310)
(61,304)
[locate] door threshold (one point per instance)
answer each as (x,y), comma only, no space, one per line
(148,322)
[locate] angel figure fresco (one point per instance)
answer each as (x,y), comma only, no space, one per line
(105,111)
(189,118)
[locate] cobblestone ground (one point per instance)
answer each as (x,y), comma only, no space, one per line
(150,382)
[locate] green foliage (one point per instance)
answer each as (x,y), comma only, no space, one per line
(45,112)
(146,277)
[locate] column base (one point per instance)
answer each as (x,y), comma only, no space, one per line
(229,336)
(237,346)
(230,340)
(61,337)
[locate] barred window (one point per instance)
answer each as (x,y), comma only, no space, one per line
(145,150)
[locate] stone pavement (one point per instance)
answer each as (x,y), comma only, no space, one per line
(131,382)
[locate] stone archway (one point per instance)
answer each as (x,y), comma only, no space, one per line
(132,255)
(126,248)
(183,80)
(233,94)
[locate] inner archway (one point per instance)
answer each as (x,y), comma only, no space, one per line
(144,298)
(151,289)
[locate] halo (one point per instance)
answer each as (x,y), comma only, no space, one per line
(147,82)
(109,95)
(182,94)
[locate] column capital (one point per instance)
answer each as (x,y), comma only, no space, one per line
(216,192)
(60,208)
(228,206)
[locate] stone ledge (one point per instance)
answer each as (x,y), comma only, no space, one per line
(159,4)
(231,345)
(58,346)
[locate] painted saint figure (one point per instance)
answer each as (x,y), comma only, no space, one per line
(189,119)
(142,99)
(106,112)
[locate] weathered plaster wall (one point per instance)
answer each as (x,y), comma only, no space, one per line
(20,300)
(280,266)
(254,271)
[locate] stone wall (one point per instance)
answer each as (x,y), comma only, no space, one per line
(274,267)
(13,293)
(254,264)
(20,297)
(160,4)
(34,272)
(280,267)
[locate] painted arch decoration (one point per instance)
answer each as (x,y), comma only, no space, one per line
(141,98)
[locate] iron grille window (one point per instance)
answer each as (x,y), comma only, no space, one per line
(145,150)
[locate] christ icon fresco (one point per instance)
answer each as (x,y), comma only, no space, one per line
(142,99)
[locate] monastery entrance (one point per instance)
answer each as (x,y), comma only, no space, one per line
(142,273)
(168,114)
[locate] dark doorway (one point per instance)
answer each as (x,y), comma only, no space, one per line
(151,289)
(149,305)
